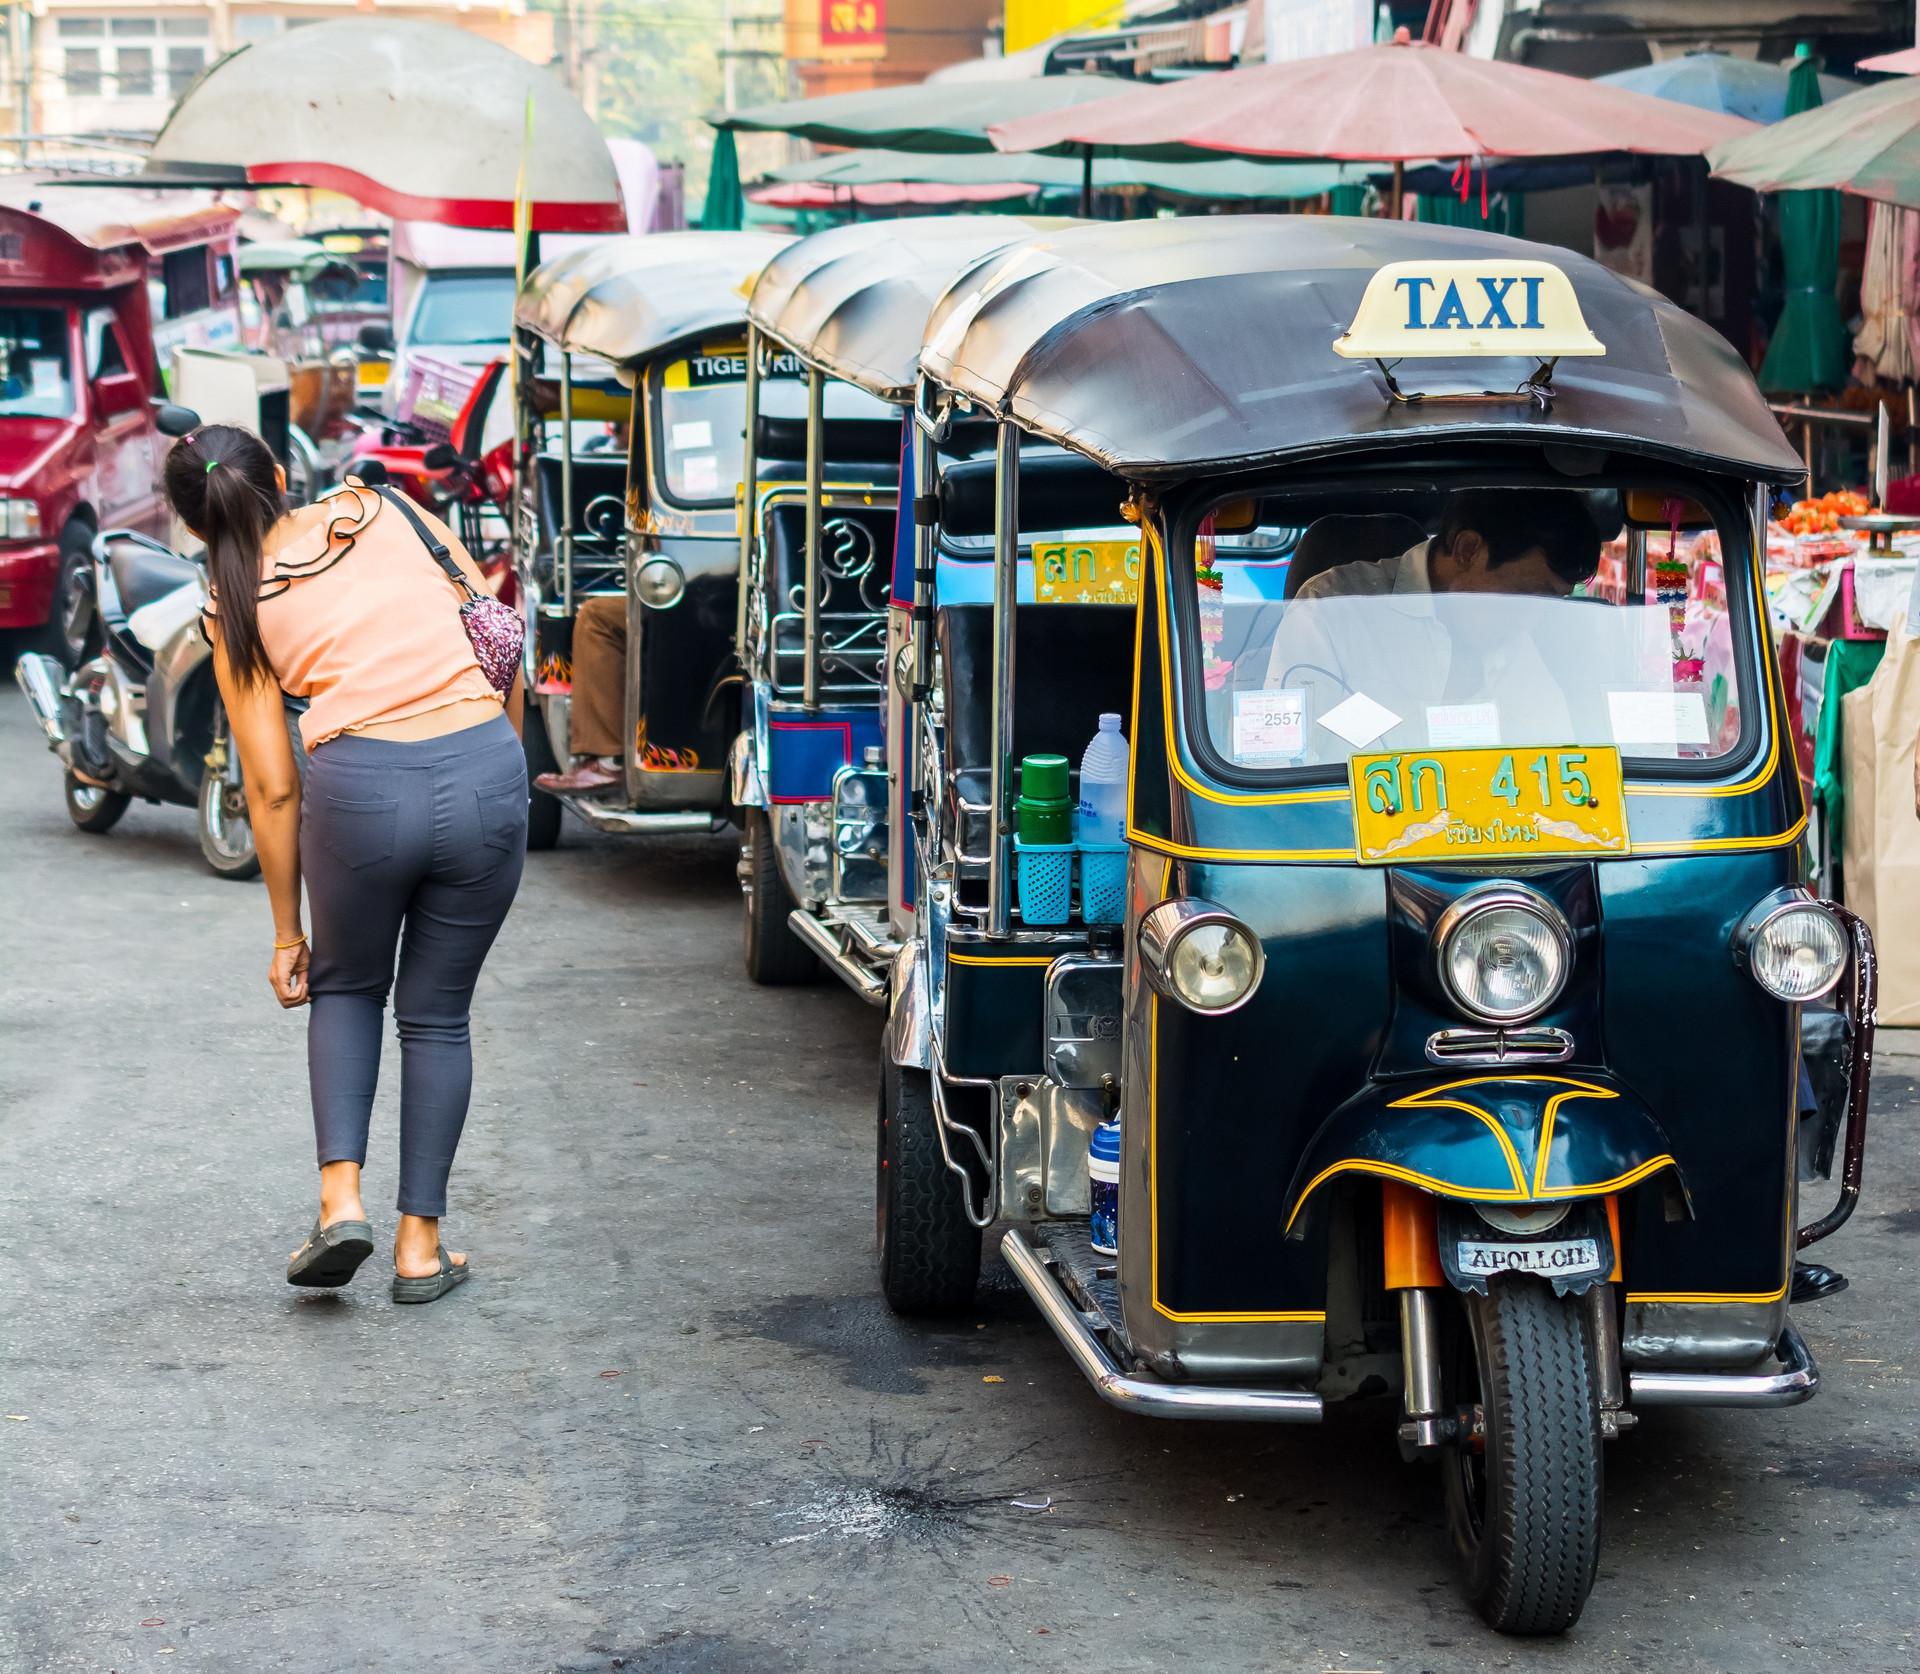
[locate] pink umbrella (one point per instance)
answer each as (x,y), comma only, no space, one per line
(1395,103)
(826,194)
(1906,62)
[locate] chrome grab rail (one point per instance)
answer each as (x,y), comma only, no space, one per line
(1799,1381)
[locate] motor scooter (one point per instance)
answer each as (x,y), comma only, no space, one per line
(141,716)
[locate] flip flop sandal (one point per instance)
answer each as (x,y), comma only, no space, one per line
(434,1286)
(331,1255)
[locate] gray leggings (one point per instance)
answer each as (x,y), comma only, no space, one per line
(415,847)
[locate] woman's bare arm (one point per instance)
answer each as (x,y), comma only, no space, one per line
(257,720)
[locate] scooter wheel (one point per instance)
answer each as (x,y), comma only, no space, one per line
(226,832)
(929,1250)
(94,809)
(1523,1498)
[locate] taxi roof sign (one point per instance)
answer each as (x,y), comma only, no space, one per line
(1428,309)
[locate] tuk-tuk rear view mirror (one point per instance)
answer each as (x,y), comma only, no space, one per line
(174,420)
(1653,508)
(1236,517)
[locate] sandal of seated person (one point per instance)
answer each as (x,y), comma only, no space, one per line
(435,1285)
(331,1255)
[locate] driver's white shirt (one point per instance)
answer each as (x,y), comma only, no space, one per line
(1400,654)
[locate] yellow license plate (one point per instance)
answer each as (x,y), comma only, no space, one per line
(1475,804)
(373,373)
(1086,572)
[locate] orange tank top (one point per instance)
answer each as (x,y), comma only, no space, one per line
(357,618)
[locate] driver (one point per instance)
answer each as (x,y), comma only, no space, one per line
(597,718)
(1408,651)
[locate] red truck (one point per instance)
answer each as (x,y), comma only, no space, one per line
(95,284)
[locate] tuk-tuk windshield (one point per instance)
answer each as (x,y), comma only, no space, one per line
(463,310)
(1480,617)
(703,420)
(38,380)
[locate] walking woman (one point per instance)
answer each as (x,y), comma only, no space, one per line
(410,831)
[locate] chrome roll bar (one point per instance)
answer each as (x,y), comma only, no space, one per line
(810,597)
(749,495)
(566,482)
(1006,579)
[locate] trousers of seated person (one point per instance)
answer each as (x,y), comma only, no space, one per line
(598,718)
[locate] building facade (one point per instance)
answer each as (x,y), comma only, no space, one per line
(837,46)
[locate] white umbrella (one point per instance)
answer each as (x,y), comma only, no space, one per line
(421,121)
(1885,338)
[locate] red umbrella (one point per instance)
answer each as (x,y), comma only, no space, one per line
(1394,103)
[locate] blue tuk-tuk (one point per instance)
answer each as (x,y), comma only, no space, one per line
(630,380)
(843,310)
(1465,1018)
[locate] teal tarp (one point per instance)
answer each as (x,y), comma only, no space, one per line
(1809,346)
(725,203)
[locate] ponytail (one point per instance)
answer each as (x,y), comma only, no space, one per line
(222,483)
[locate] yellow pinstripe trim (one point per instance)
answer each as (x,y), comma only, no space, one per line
(1726,845)
(1182,851)
(1393,1171)
(1543,1147)
(1619,1183)
(991,959)
(1704,1297)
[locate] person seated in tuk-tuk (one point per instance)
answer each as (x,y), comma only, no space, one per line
(597,717)
(1413,650)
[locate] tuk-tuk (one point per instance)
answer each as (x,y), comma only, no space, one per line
(1463,1013)
(843,310)
(629,379)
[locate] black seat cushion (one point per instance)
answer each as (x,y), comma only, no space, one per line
(1341,539)
(141,575)
(1072,663)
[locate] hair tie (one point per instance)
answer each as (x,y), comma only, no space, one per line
(210,465)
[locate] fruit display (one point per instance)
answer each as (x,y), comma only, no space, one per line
(1822,516)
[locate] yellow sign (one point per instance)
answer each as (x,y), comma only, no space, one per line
(1531,804)
(1086,572)
(1420,310)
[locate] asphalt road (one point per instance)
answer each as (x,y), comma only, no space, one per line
(669,1426)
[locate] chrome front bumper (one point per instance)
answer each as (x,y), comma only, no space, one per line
(1797,1380)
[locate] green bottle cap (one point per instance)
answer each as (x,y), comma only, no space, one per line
(1041,812)
(1043,779)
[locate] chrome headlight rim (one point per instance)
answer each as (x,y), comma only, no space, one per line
(1770,912)
(1488,898)
(659,563)
(1167,924)
(1523,1220)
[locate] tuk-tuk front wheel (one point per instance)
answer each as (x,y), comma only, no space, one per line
(1523,1485)
(543,811)
(929,1250)
(775,956)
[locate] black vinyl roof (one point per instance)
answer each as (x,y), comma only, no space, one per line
(624,299)
(1162,349)
(854,300)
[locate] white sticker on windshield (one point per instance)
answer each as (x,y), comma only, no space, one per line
(1665,719)
(49,376)
(702,474)
(1359,720)
(693,433)
(1269,727)
(1460,726)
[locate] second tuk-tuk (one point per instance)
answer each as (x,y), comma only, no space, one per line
(630,378)
(1464,1016)
(821,561)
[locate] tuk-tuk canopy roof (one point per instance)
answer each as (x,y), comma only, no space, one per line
(303,259)
(107,218)
(627,298)
(854,300)
(1163,349)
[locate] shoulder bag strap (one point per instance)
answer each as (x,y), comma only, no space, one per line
(433,544)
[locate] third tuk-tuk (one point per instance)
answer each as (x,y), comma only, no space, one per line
(822,561)
(630,380)
(1458,1013)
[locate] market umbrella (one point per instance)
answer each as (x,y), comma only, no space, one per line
(1392,103)
(418,120)
(1222,178)
(1808,347)
(1888,329)
(954,116)
(725,207)
(1746,87)
(883,194)
(1905,62)
(1867,144)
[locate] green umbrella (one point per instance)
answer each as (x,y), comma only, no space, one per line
(725,202)
(1809,346)
(1228,178)
(943,116)
(1867,143)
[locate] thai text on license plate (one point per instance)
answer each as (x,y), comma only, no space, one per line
(1559,1256)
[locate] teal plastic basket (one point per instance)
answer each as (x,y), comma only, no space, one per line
(1103,882)
(1045,877)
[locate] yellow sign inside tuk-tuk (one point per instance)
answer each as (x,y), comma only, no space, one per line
(371,374)
(1529,803)
(1086,572)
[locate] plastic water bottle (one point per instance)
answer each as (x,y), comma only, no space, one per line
(1102,814)
(1103,1181)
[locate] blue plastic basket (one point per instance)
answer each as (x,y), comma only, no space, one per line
(1046,881)
(1103,882)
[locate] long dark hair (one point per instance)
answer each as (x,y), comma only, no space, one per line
(221,481)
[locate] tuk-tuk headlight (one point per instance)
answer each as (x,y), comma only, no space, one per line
(1796,951)
(659,582)
(1200,955)
(1504,953)
(20,520)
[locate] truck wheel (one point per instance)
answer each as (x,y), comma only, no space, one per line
(929,1250)
(226,831)
(69,631)
(1523,1499)
(543,811)
(94,809)
(776,957)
